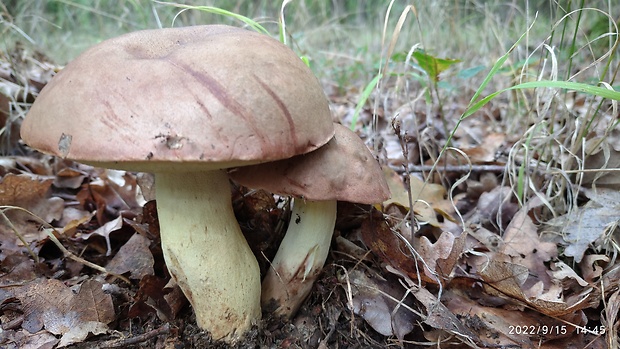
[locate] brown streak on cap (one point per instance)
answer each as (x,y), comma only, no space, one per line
(282,107)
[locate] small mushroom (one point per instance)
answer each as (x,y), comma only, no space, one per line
(343,169)
(186,103)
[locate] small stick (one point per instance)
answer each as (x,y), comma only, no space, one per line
(124,342)
(459,168)
(65,252)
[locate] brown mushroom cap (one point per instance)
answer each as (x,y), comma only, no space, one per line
(185,95)
(343,169)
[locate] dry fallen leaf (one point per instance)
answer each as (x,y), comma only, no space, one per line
(377,236)
(602,152)
(562,271)
(105,231)
(49,304)
(610,320)
(133,257)
(486,152)
(17,268)
(33,194)
(441,257)
(69,178)
(507,279)
(591,266)
(522,243)
(428,199)
(380,303)
(23,339)
(585,226)
(495,207)
(156,295)
(508,327)
(110,195)
(436,314)
(72,218)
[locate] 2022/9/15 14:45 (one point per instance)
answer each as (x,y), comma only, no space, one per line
(538,330)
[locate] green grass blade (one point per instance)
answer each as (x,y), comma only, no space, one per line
(218,11)
(363,98)
(496,67)
(565,85)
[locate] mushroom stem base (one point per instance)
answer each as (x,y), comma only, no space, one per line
(206,253)
(300,257)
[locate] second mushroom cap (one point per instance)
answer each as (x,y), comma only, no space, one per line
(343,169)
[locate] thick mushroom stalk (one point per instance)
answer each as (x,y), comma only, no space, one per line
(206,252)
(300,257)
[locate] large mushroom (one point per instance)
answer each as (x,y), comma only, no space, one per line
(343,169)
(185,103)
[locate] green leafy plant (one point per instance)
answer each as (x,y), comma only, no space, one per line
(433,66)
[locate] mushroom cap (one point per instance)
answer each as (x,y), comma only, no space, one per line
(343,169)
(194,95)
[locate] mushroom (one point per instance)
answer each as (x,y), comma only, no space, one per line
(343,169)
(184,104)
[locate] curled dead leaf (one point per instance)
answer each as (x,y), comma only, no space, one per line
(133,257)
(428,199)
(509,328)
(380,303)
(105,231)
(442,256)
(525,247)
(388,247)
(32,193)
(591,266)
(49,304)
(507,280)
(436,314)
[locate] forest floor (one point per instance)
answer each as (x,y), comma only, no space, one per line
(501,232)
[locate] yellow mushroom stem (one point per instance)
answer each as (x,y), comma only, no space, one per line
(300,257)
(206,253)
